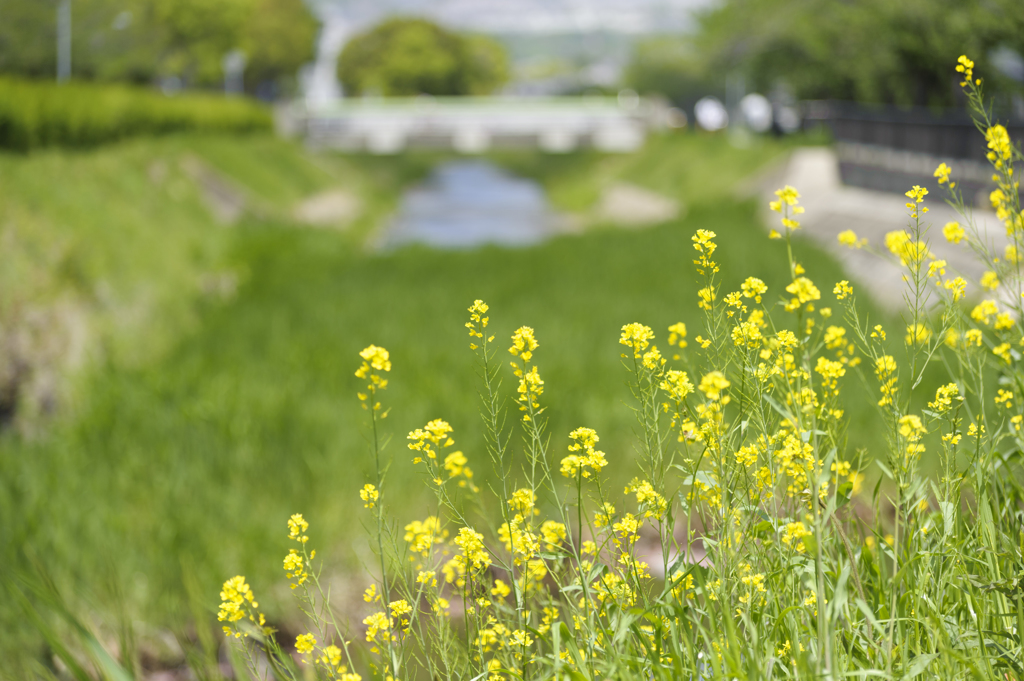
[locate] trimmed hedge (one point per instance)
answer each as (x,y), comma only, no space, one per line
(34,114)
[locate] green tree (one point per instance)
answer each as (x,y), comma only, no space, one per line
(28,37)
(867,50)
(671,67)
(278,37)
(415,56)
(199,33)
(142,40)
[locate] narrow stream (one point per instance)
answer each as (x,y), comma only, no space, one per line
(465,204)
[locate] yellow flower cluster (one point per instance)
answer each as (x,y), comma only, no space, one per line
(295,568)
(705,246)
(942,174)
(713,384)
(793,535)
(473,552)
(803,291)
(842,290)
(912,430)
(957,287)
(455,464)
(966,67)
(916,196)
(297,525)
(400,611)
(911,253)
(305,643)
(677,336)
(944,397)
(523,502)
(531,386)
(429,439)
(375,360)
(788,205)
(238,602)
(519,540)
(677,384)
(795,460)
(637,337)
(984,311)
(588,460)
(885,370)
(477,321)
(369,494)
(652,504)
(1000,149)
(422,535)
(830,373)
(954,233)
(553,533)
(849,238)
(376,624)
(917,334)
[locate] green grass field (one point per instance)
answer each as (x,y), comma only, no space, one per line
(200,422)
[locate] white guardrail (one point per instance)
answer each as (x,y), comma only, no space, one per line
(474,125)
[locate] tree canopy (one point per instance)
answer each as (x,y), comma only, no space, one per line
(405,56)
(144,40)
(867,50)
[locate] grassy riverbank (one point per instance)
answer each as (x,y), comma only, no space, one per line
(206,414)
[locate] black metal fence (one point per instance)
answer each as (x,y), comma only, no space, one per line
(890,149)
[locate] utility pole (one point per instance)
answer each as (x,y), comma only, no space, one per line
(63,41)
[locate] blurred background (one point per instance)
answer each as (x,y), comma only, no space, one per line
(208,207)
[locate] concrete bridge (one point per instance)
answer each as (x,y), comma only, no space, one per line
(474,125)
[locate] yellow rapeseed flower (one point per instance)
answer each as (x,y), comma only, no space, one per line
(296,526)
(705,246)
(966,67)
(752,287)
(713,384)
(885,370)
(369,495)
(956,286)
(944,397)
(954,233)
(477,321)
(523,343)
(984,311)
(803,291)
(918,334)
(849,238)
(305,643)
(842,290)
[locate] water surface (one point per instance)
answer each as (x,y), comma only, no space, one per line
(464,204)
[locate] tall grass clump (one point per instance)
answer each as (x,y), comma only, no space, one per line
(34,114)
(747,546)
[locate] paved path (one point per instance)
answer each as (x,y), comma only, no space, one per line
(832,208)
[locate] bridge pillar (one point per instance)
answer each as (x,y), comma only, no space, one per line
(622,137)
(385,140)
(555,141)
(471,140)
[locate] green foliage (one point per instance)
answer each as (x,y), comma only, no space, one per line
(670,67)
(279,37)
(198,35)
(142,40)
(35,114)
(416,56)
(865,50)
(750,551)
(200,409)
